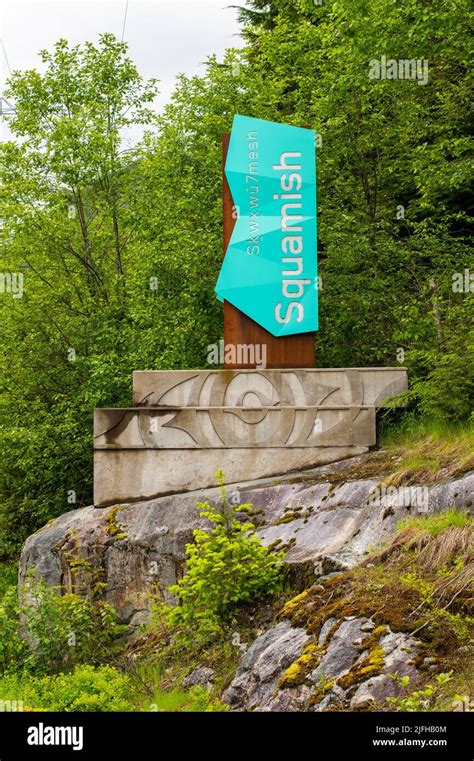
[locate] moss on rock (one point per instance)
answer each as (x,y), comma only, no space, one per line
(401,588)
(298,671)
(113,528)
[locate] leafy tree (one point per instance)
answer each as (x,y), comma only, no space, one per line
(67,344)
(91,227)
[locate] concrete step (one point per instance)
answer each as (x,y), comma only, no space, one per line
(339,386)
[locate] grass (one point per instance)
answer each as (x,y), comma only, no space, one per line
(412,428)
(460,689)
(435,540)
(415,451)
(197,699)
(434,524)
(422,449)
(160,667)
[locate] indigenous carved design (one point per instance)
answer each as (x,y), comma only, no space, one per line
(249,408)
(265,408)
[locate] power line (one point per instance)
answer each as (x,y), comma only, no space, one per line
(5,107)
(124,20)
(6,57)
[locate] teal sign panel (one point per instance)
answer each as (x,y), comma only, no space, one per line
(270,268)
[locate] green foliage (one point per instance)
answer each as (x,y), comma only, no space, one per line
(225,567)
(8,576)
(418,700)
(89,225)
(13,649)
(67,229)
(434,524)
(197,699)
(443,384)
(58,631)
(85,689)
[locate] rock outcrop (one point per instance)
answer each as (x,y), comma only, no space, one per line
(255,685)
(324,522)
(352,666)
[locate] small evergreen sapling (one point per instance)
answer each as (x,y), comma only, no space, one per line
(225,566)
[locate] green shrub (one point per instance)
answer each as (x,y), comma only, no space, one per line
(419,700)
(85,689)
(443,382)
(58,631)
(13,649)
(8,576)
(66,629)
(225,566)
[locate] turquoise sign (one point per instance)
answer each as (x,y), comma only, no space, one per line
(270,268)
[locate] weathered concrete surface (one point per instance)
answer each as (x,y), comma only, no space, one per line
(185,424)
(128,475)
(241,428)
(134,547)
(346,386)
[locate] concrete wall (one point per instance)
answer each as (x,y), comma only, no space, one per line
(185,425)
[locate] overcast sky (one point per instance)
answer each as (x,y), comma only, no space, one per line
(165,37)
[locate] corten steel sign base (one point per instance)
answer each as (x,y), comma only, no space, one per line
(186,424)
(239,329)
